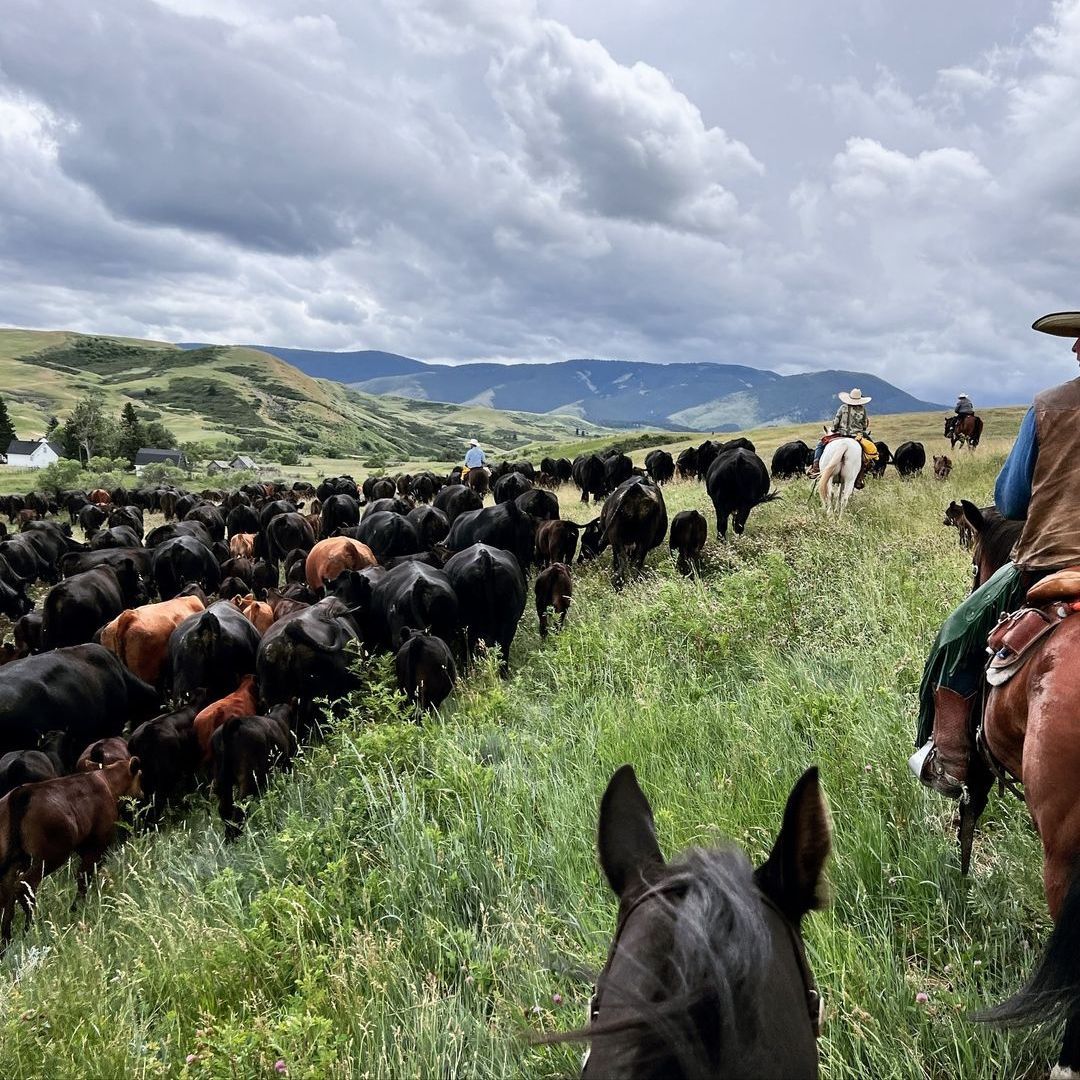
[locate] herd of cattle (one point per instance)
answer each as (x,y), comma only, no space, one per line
(210,645)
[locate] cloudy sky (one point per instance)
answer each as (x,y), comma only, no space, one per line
(794,185)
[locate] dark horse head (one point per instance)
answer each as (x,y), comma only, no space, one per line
(707,975)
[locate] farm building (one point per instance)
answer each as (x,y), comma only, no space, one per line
(149,456)
(30,454)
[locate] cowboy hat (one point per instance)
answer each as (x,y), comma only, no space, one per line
(1060,324)
(473,442)
(854,398)
(961,394)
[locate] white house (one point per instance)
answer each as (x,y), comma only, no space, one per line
(33,455)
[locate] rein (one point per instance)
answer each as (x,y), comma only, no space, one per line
(815,1003)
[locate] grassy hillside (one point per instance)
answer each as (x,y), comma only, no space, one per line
(229,394)
(414,899)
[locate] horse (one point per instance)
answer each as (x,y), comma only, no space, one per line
(1029,729)
(965,430)
(707,974)
(840,466)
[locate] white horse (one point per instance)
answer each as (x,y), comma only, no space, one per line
(840,466)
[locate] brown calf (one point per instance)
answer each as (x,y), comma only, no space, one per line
(554,589)
(242,545)
(260,615)
(99,497)
(556,541)
(140,636)
(333,556)
(42,825)
(241,702)
(103,752)
(942,467)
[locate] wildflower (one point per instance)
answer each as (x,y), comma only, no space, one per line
(280,1066)
(922,997)
(536,1010)
(869,768)
(556,999)
(191,1057)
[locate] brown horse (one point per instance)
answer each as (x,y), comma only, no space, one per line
(1029,728)
(965,430)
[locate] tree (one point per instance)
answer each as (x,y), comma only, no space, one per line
(7,429)
(59,476)
(129,435)
(52,425)
(86,429)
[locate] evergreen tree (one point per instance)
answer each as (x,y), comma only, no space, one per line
(7,429)
(130,434)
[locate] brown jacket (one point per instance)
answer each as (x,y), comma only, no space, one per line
(1051,536)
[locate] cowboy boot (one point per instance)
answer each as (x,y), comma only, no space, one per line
(945,767)
(860,480)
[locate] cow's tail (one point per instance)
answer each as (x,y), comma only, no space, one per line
(13,858)
(1053,991)
(230,813)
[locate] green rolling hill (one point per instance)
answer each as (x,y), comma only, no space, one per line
(233,395)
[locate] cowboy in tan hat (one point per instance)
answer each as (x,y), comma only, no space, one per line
(851,421)
(1039,485)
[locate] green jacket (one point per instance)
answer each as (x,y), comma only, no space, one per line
(851,420)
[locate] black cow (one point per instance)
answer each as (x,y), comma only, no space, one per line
(706,455)
(505,526)
(457,499)
(432,525)
(27,767)
(553,590)
(633,521)
(169,753)
(76,608)
(617,468)
(510,486)
(490,589)
(209,517)
(660,466)
(589,475)
(791,459)
(284,533)
(556,541)
(241,519)
(338,512)
(118,536)
(687,463)
(304,655)
(425,669)
(884,457)
(84,692)
(181,561)
(910,458)
(76,562)
(689,531)
(91,518)
(394,505)
(737,481)
(131,516)
(539,505)
(210,652)
(389,535)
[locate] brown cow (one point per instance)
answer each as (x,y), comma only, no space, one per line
(554,589)
(99,497)
(556,541)
(140,636)
(42,825)
(242,545)
(241,702)
(260,615)
(942,466)
(103,752)
(24,517)
(331,557)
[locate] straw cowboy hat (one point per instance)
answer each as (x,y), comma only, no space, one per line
(473,442)
(855,397)
(1060,324)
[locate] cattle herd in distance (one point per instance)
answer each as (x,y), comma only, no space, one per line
(209,647)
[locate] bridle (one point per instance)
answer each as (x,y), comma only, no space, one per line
(815,1003)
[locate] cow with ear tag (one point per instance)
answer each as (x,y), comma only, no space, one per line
(707,975)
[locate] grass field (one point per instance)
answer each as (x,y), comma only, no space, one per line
(412,898)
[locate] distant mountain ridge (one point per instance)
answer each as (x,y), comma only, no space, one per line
(617,393)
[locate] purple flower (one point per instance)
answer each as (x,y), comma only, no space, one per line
(922,997)
(191,1057)
(280,1066)
(556,999)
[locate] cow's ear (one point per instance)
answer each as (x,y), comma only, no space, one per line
(626,838)
(134,765)
(793,875)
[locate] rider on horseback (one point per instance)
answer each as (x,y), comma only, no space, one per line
(851,422)
(1040,485)
(963,407)
(474,458)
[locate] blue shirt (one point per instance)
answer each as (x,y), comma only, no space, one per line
(1012,492)
(474,457)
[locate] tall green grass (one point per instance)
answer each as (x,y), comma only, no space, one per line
(416,899)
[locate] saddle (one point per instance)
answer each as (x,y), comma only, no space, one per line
(1049,603)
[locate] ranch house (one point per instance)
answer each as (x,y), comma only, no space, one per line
(31,454)
(148,456)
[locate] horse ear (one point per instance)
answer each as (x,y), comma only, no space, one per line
(973,514)
(626,839)
(793,875)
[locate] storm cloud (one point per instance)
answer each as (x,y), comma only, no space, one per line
(839,184)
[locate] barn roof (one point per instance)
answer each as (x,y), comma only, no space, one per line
(149,456)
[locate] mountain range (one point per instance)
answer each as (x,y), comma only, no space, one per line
(615,393)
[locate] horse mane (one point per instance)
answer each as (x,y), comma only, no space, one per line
(719,957)
(996,534)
